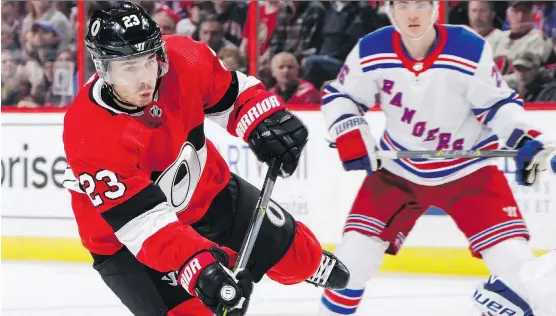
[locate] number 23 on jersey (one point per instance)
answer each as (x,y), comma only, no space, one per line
(88,182)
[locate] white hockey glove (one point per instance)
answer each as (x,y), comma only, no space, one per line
(356,145)
(494,297)
(534,155)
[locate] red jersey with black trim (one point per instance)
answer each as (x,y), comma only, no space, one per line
(268,18)
(305,93)
(139,178)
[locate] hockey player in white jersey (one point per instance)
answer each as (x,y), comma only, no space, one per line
(439,89)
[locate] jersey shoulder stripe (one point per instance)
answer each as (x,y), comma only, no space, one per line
(377,51)
(377,42)
(463,44)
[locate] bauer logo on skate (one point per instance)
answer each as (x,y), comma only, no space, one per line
(253,113)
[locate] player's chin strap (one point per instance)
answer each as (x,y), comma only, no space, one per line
(429,28)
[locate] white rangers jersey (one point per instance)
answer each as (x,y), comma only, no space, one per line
(453,99)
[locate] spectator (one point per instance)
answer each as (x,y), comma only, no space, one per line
(268,16)
(66,55)
(537,13)
(179,7)
(529,81)
(148,6)
(341,30)
(44,11)
(371,18)
(211,33)
(521,37)
(296,29)
(31,66)
(481,18)
(33,32)
(65,7)
(188,26)
(11,26)
(10,79)
(154,7)
(232,59)
(43,94)
(458,13)
(8,39)
(232,15)
(293,90)
(61,77)
(26,100)
(167,23)
(9,14)
(46,34)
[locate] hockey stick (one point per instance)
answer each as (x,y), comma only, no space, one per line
(446,154)
(256,220)
(441,154)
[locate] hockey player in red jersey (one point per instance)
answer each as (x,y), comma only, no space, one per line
(155,203)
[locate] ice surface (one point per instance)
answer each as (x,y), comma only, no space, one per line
(48,289)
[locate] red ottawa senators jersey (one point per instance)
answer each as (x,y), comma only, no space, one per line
(305,93)
(138,178)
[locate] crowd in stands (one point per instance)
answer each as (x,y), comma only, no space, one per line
(522,35)
(38,53)
(302,44)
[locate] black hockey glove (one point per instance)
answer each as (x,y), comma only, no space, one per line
(206,276)
(280,135)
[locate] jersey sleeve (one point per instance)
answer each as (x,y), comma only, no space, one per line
(106,175)
(233,100)
(495,105)
(353,91)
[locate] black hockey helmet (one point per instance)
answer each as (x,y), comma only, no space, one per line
(124,31)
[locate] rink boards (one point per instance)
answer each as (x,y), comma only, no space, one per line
(37,221)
